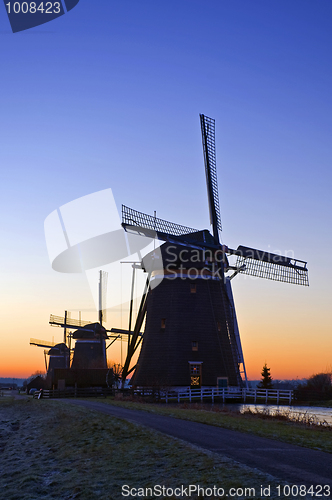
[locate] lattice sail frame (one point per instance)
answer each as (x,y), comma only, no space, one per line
(132,217)
(103,298)
(249,260)
(70,323)
(271,266)
(209,150)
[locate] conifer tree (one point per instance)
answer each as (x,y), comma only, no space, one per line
(266,382)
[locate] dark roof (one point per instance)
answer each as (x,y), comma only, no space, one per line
(90,331)
(58,349)
(175,255)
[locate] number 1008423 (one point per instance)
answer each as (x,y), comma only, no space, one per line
(33,7)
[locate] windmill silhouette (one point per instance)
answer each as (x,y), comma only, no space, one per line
(90,338)
(191,335)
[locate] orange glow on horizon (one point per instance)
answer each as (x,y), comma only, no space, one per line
(287,330)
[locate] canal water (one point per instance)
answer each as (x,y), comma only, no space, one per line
(316,413)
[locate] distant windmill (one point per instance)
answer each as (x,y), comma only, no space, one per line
(90,346)
(191,335)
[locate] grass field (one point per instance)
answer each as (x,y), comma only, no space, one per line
(51,450)
(317,437)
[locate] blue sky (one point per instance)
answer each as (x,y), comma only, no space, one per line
(109,95)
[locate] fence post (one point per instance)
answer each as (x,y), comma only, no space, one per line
(166,397)
(290,397)
(223,394)
(244,395)
(212,394)
(266,395)
(255,398)
(190,395)
(178,397)
(277,396)
(201,395)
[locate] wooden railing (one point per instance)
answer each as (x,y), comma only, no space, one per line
(275,396)
(72,392)
(227,394)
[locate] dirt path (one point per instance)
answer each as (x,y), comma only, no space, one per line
(290,463)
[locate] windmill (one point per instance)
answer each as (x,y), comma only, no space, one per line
(191,335)
(89,354)
(90,346)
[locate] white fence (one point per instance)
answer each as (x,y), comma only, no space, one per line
(250,395)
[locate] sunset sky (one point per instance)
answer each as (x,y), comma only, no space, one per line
(109,96)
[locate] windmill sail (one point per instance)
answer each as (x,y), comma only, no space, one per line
(103,276)
(271,266)
(68,322)
(249,260)
(42,343)
(152,227)
(131,218)
(209,151)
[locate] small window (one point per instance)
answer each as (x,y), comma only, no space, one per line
(192,288)
(163,323)
(195,369)
(194,345)
(219,326)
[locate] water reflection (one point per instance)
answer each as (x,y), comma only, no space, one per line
(316,412)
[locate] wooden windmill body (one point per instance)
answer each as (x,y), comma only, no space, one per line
(188,336)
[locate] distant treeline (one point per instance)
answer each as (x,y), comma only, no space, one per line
(287,385)
(11,382)
(318,387)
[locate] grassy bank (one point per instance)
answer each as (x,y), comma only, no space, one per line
(322,404)
(51,450)
(300,433)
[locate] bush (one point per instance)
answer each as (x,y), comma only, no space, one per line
(317,388)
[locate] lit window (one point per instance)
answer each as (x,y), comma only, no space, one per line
(194,345)
(192,288)
(163,323)
(195,381)
(195,374)
(195,369)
